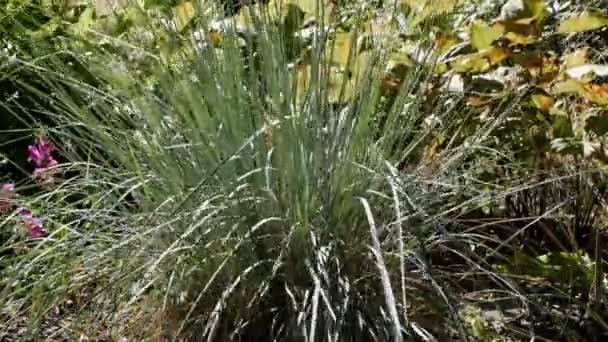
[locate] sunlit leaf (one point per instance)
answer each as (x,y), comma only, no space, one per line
(360,66)
(431,6)
(542,102)
(578,72)
(566,87)
(483,35)
(339,85)
(184,13)
(479,101)
(517,9)
(586,21)
(396,59)
(480,61)
(576,58)
(538,8)
(596,93)
(444,42)
(85,22)
(341,48)
(519,39)
(48,28)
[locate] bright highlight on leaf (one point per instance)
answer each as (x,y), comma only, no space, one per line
(544,103)
(586,21)
(576,58)
(184,13)
(578,72)
(514,10)
(483,35)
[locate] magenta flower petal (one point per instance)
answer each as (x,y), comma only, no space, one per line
(41,154)
(35,226)
(37,232)
(45,146)
(34,155)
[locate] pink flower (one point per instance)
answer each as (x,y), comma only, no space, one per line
(41,153)
(6,195)
(34,225)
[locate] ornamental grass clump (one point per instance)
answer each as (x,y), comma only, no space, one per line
(239,204)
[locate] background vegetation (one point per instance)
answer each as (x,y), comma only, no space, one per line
(303,170)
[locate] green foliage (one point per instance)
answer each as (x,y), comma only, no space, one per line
(234,172)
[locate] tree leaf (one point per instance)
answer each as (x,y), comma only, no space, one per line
(576,58)
(597,93)
(481,61)
(544,103)
(578,72)
(483,35)
(85,22)
(183,13)
(586,21)
(566,87)
(341,47)
(561,127)
(517,9)
(597,124)
(360,66)
(538,8)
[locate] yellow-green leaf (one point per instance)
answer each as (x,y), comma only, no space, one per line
(483,35)
(586,21)
(576,58)
(537,8)
(518,9)
(85,22)
(184,13)
(480,61)
(360,66)
(567,87)
(519,39)
(339,84)
(336,82)
(431,6)
(597,93)
(544,103)
(341,48)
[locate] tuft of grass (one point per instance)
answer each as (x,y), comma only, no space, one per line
(229,204)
